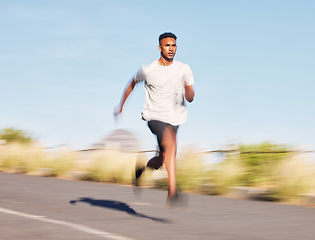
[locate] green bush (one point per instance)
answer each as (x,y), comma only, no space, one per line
(251,165)
(260,160)
(15,135)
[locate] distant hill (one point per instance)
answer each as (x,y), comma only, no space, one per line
(119,139)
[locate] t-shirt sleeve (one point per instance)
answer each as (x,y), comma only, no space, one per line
(139,76)
(188,76)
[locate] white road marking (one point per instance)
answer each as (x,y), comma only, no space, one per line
(79,227)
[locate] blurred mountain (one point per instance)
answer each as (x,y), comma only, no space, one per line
(119,139)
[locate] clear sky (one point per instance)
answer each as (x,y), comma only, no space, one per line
(64,65)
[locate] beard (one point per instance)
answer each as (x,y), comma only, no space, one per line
(167,58)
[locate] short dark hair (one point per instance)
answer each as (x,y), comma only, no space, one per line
(167,35)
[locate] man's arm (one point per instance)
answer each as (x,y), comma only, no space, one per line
(130,86)
(189,93)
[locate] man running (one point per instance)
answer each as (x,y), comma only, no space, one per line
(167,83)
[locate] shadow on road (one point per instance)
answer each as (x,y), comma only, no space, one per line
(116,205)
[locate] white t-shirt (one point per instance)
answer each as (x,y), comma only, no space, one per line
(164,91)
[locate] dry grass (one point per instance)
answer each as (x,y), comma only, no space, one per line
(293,177)
(111,166)
(290,177)
(227,174)
(60,162)
(21,158)
(191,170)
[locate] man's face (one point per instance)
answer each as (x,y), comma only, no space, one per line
(168,48)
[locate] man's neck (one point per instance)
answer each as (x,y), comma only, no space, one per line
(165,62)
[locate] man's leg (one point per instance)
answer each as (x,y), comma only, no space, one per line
(157,128)
(170,145)
(156,162)
(166,136)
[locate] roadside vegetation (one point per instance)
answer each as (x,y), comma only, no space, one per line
(12,135)
(285,174)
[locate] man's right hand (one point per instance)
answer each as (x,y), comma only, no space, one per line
(117,111)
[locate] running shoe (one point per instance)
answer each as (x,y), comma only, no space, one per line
(136,179)
(178,201)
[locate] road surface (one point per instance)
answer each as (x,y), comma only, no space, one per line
(33,207)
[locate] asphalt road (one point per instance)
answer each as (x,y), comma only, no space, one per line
(34,208)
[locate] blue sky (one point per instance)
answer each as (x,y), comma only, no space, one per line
(64,65)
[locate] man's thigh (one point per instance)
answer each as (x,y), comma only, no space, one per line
(158,128)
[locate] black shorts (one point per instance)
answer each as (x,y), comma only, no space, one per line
(157,128)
